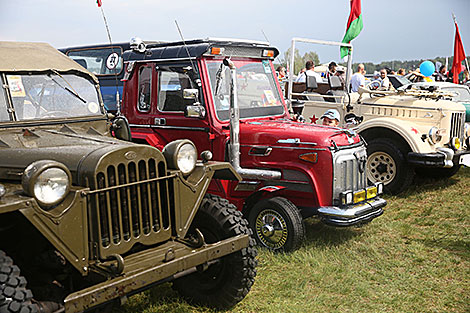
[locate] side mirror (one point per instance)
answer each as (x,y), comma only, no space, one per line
(120,127)
(190,94)
(311,82)
(195,111)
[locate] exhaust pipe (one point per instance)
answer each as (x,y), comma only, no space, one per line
(234,144)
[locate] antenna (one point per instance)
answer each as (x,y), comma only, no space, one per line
(187,51)
(118,102)
(265,37)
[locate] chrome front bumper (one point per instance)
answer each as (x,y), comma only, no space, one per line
(352,214)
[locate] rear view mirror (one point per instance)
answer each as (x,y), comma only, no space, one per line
(195,111)
(120,127)
(190,94)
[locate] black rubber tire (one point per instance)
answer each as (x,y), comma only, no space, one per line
(403,172)
(226,283)
(288,221)
(437,173)
(14,296)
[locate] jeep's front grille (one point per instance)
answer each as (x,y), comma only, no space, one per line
(349,168)
(131,203)
(457,126)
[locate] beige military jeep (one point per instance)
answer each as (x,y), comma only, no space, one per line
(408,131)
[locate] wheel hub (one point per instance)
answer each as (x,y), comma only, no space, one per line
(381,167)
(268,230)
(271,228)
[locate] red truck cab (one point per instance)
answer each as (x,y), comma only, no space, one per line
(224,96)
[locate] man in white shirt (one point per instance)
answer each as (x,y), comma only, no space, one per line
(358,79)
(309,65)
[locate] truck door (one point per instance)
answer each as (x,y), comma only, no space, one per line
(169,120)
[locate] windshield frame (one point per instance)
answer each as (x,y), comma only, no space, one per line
(275,88)
(53,75)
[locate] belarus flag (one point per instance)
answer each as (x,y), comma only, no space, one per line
(354,26)
(98,2)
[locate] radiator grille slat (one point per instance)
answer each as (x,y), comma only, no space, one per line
(457,126)
(128,212)
(349,171)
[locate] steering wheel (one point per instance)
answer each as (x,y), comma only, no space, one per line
(373,85)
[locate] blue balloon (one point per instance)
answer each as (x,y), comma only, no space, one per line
(427,68)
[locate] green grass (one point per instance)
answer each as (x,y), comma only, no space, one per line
(414,258)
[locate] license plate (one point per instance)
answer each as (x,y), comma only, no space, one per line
(465,160)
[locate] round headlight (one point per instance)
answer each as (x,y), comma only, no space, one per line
(181,155)
(434,135)
(455,143)
(47,181)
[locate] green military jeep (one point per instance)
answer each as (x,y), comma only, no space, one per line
(90,219)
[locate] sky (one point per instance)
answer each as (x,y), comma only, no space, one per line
(393,29)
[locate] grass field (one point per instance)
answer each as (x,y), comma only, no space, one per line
(414,258)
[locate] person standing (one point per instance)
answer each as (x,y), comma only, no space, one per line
(358,79)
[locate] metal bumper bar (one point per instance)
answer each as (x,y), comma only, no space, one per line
(137,277)
(352,215)
(444,157)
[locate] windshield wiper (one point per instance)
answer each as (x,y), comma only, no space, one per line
(70,90)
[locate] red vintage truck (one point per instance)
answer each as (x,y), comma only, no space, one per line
(223,94)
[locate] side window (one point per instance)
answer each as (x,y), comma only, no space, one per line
(102,61)
(170,90)
(145,89)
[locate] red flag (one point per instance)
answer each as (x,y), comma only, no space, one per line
(459,56)
(98,2)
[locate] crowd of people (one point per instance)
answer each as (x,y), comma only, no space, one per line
(358,79)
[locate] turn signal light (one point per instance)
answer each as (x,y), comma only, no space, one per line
(268,53)
(309,157)
(217,50)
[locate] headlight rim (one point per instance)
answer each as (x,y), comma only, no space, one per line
(34,170)
(434,135)
(171,150)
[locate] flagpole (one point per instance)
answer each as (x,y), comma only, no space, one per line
(465,57)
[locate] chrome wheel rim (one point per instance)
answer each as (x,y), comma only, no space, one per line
(381,167)
(271,229)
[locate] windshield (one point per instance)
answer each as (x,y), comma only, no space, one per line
(461,94)
(403,80)
(41,96)
(258,95)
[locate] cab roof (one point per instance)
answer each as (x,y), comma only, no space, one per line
(36,57)
(197,47)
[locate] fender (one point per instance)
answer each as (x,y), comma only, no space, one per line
(152,139)
(262,192)
(400,127)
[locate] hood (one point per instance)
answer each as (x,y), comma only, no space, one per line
(21,147)
(269,132)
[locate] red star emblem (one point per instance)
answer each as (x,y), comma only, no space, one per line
(414,130)
(313,119)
